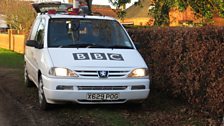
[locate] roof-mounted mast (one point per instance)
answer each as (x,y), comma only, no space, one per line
(83,5)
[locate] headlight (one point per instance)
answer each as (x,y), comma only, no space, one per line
(62,72)
(139,73)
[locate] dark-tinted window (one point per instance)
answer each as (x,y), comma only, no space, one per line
(85,33)
(40,33)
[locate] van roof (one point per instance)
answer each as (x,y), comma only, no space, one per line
(77,16)
(58,7)
(60,11)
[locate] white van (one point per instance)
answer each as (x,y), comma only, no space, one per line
(84,59)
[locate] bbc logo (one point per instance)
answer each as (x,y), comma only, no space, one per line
(98,56)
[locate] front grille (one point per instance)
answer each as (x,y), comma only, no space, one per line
(118,101)
(102,87)
(94,74)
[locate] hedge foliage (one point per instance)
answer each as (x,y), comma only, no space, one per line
(186,62)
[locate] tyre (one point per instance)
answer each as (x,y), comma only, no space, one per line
(42,100)
(28,82)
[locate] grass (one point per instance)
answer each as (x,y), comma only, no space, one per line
(158,105)
(110,117)
(12,60)
(9,59)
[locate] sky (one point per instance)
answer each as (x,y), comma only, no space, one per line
(106,2)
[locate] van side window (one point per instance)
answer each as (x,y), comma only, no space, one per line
(34,29)
(40,33)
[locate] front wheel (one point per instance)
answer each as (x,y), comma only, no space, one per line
(42,100)
(27,80)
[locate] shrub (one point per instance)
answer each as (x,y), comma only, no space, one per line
(187,63)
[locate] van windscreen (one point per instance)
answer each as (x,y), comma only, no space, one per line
(87,33)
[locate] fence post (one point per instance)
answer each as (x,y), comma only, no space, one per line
(11,41)
(9,36)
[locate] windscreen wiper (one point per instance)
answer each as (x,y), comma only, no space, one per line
(120,47)
(89,45)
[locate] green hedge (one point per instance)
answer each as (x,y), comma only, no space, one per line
(187,63)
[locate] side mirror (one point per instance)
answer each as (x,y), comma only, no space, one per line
(137,45)
(32,43)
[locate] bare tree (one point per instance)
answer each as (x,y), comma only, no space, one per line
(19,14)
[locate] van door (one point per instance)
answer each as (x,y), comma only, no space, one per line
(35,53)
(29,50)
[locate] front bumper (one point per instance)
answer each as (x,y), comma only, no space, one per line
(80,96)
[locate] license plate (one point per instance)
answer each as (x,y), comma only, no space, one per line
(102,96)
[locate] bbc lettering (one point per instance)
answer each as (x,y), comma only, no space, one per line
(83,56)
(98,56)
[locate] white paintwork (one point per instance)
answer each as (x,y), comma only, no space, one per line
(41,60)
(130,58)
(38,1)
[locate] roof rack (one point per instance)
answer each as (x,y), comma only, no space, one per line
(63,8)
